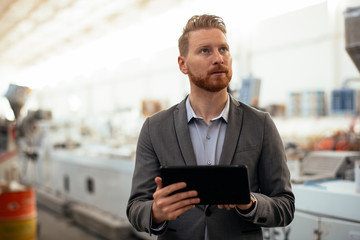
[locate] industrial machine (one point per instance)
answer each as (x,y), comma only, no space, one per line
(16,96)
(325,165)
(352,34)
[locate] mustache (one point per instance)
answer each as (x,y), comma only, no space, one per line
(219,68)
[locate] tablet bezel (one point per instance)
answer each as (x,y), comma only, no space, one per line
(215,184)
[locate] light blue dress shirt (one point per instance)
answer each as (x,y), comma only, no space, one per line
(207,139)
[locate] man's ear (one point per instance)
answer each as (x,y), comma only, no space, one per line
(182,65)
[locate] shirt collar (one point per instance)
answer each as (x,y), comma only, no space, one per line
(191,114)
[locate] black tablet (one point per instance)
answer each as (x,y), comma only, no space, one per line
(214,184)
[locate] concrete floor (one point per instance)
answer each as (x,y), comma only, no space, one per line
(53,226)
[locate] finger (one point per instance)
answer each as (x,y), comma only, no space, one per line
(180,207)
(158,181)
(163,209)
(184,203)
(164,199)
(175,214)
(227,207)
(168,190)
(180,211)
(179,200)
(184,195)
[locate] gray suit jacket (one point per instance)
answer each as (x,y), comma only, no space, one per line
(251,139)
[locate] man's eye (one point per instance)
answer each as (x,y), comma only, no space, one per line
(223,49)
(204,50)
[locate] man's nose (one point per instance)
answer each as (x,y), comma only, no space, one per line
(218,58)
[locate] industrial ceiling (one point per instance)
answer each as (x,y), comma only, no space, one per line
(33,30)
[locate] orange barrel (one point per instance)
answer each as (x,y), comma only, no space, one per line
(17,214)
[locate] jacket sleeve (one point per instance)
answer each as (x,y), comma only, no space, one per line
(143,183)
(276,201)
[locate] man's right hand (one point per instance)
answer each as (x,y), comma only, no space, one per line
(169,207)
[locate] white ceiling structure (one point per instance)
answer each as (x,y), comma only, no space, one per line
(32,30)
(35,32)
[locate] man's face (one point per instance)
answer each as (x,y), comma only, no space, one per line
(208,63)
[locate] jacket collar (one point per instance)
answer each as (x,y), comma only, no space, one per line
(231,136)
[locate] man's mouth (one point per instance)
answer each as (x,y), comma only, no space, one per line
(218,72)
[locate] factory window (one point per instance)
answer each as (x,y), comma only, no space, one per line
(90,185)
(66,183)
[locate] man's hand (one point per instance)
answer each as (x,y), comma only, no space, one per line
(242,207)
(169,207)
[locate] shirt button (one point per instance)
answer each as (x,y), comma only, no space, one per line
(209,163)
(207,137)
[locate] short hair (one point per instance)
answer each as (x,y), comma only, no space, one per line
(199,22)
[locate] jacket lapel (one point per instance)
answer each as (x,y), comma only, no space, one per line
(183,134)
(232,134)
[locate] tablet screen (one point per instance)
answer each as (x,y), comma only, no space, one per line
(214,184)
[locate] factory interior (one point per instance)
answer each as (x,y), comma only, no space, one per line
(74,98)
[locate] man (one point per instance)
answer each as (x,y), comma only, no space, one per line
(209,127)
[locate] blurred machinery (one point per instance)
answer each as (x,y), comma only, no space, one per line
(84,180)
(307,104)
(72,175)
(327,200)
(352,34)
(250,91)
(8,160)
(16,96)
(18,216)
(326,165)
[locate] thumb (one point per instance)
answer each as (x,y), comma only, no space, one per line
(159,184)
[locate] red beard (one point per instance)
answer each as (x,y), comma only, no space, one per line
(212,83)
